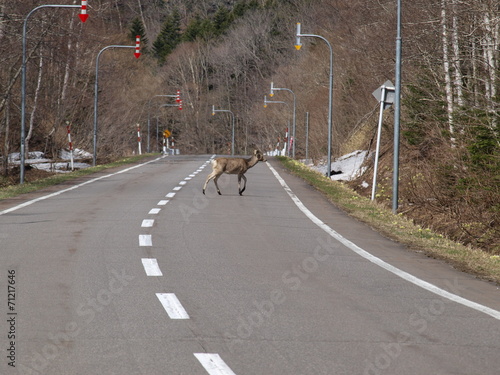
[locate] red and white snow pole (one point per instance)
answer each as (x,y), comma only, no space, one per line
(139,138)
(285,150)
(70,145)
(137,52)
(83,13)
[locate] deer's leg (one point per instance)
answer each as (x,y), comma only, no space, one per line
(210,176)
(242,176)
(215,182)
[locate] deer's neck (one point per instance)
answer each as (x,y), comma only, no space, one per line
(252,161)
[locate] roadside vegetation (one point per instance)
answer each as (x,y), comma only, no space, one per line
(398,227)
(36,179)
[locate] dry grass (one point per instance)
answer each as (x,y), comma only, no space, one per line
(400,228)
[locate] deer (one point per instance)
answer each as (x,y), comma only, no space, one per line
(237,166)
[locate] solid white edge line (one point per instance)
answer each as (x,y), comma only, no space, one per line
(172,306)
(25,204)
(145,240)
(213,363)
(396,271)
(147,223)
(151,267)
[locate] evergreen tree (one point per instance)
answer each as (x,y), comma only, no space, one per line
(137,28)
(222,20)
(169,37)
(193,29)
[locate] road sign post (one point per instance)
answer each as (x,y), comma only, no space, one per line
(96,94)
(385,95)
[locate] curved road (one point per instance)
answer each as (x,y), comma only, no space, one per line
(134,271)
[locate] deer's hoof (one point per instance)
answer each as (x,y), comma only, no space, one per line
(219,192)
(203,191)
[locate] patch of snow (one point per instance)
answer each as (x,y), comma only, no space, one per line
(77,154)
(348,166)
(37,160)
(32,156)
(59,167)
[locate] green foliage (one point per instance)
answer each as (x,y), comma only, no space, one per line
(197,28)
(137,28)
(484,148)
(222,20)
(242,6)
(169,37)
(423,106)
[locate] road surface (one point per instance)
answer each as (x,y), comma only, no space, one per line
(134,271)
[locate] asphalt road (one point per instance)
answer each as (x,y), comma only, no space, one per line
(134,271)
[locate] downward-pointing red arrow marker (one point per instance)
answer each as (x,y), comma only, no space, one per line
(83,14)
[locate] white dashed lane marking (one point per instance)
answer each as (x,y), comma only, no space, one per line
(163,202)
(170,195)
(177,188)
(213,363)
(147,223)
(154,211)
(172,306)
(145,240)
(151,267)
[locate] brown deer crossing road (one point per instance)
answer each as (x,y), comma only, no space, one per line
(135,271)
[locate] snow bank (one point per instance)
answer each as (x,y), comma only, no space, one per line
(37,160)
(346,167)
(77,154)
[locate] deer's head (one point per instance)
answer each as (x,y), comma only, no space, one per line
(259,155)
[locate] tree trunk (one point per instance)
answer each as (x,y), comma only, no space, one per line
(142,17)
(35,102)
(119,16)
(66,68)
(5,158)
(490,45)
(456,58)
(447,75)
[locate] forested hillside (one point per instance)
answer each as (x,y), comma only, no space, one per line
(226,53)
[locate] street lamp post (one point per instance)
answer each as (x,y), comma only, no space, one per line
(166,105)
(232,116)
(266,102)
(397,111)
(294,111)
(149,114)
(298,44)
(23,81)
(96,93)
